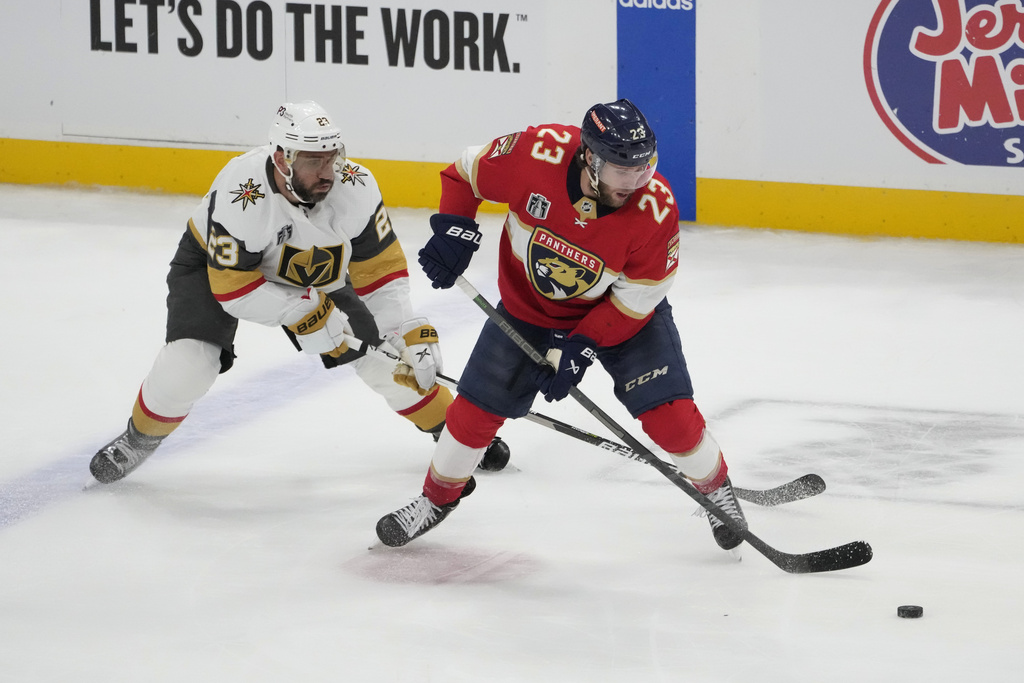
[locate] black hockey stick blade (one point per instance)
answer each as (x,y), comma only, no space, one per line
(802,487)
(833,559)
(845,556)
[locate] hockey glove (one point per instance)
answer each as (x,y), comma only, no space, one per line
(577,354)
(323,329)
(416,342)
(446,254)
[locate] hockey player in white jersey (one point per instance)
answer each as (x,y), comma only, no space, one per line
(291,234)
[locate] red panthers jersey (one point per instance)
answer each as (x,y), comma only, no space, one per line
(565,261)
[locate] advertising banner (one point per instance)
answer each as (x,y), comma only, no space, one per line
(947,78)
(405,79)
(657,57)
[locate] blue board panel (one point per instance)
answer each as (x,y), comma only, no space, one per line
(656,55)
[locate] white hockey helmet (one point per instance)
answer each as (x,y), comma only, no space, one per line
(304,127)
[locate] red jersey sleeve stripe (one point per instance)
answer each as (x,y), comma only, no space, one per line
(240,292)
(413,408)
(377,284)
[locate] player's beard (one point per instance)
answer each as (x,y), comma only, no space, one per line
(613,197)
(312,192)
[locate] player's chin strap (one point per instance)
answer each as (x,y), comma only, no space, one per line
(288,179)
(594,173)
(798,489)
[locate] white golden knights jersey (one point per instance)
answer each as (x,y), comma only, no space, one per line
(565,261)
(263,251)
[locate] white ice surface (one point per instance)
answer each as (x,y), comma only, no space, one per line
(240,551)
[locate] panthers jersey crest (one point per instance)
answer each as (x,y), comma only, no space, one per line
(558,269)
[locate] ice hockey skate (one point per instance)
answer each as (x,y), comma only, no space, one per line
(417,518)
(725,498)
(123,455)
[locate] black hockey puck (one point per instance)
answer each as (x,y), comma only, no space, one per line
(909,611)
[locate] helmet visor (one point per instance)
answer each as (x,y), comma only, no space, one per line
(627,177)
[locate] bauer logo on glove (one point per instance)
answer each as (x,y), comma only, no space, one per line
(446,254)
(315,320)
(322,327)
(416,342)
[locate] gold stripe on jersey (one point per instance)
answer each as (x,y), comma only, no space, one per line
(648,282)
(199,237)
(384,265)
(224,283)
(474,172)
(624,310)
(608,278)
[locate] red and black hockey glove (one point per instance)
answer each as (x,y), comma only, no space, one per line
(447,253)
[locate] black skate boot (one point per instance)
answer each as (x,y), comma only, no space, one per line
(123,455)
(724,498)
(417,518)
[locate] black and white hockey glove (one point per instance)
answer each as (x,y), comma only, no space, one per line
(416,342)
(323,328)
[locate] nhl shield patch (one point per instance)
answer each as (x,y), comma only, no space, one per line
(558,269)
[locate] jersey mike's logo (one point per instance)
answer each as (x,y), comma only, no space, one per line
(558,269)
(316,267)
(947,78)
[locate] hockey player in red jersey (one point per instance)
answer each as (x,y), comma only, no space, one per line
(588,253)
(296,235)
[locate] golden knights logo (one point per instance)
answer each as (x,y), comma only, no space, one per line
(558,269)
(247,193)
(316,267)
(352,174)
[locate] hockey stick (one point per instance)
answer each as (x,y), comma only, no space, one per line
(832,559)
(798,489)
(802,487)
